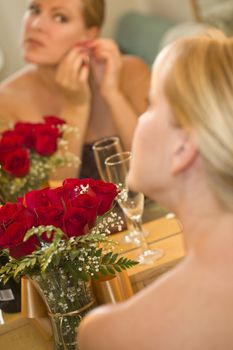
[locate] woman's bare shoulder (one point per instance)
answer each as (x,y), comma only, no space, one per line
(132,64)
(13,89)
(135,82)
(166,307)
(17,80)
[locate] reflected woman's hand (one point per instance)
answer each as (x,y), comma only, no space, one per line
(107,52)
(72,76)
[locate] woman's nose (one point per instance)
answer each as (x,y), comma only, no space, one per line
(39,22)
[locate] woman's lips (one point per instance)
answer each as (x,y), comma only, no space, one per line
(34,42)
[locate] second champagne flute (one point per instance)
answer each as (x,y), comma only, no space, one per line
(131,202)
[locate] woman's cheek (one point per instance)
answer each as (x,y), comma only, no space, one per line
(136,172)
(142,136)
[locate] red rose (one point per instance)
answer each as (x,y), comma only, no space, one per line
(25,216)
(71,190)
(4,240)
(24,248)
(12,212)
(13,237)
(75,222)
(9,143)
(76,182)
(53,120)
(74,187)
(26,130)
(36,198)
(8,134)
(6,213)
(13,136)
(55,196)
(46,139)
(17,163)
(89,203)
(50,216)
(13,234)
(105,192)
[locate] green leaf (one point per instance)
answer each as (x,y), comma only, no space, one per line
(106,258)
(117,268)
(99,252)
(19,269)
(29,234)
(120,260)
(103,271)
(113,258)
(110,269)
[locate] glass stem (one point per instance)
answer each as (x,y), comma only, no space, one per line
(137,225)
(130,225)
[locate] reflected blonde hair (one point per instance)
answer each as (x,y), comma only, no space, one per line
(93,12)
(197,80)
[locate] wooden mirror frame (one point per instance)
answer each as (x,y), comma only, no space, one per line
(196,10)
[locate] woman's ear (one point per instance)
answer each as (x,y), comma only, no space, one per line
(184,154)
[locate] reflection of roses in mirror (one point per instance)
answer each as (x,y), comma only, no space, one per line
(29,153)
(9,143)
(46,137)
(17,163)
(41,138)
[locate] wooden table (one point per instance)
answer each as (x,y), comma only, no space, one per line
(22,334)
(165,234)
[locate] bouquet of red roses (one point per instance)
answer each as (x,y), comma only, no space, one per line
(50,227)
(29,153)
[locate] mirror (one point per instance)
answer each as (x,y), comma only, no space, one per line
(218,13)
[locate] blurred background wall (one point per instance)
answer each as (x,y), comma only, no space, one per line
(11,12)
(179,10)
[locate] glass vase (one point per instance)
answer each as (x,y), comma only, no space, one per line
(68,300)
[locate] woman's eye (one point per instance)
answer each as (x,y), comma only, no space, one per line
(59,18)
(34,10)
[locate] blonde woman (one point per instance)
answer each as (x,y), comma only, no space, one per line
(75,74)
(183,157)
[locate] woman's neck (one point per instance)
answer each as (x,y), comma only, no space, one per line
(208,231)
(47,76)
(205,220)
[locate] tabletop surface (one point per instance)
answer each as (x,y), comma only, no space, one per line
(164,233)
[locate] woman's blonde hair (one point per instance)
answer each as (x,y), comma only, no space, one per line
(197,80)
(93,12)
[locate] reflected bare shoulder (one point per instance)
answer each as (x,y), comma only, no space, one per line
(14,92)
(135,82)
(133,64)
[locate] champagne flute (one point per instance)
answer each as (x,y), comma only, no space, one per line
(102,149)
(131,202)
